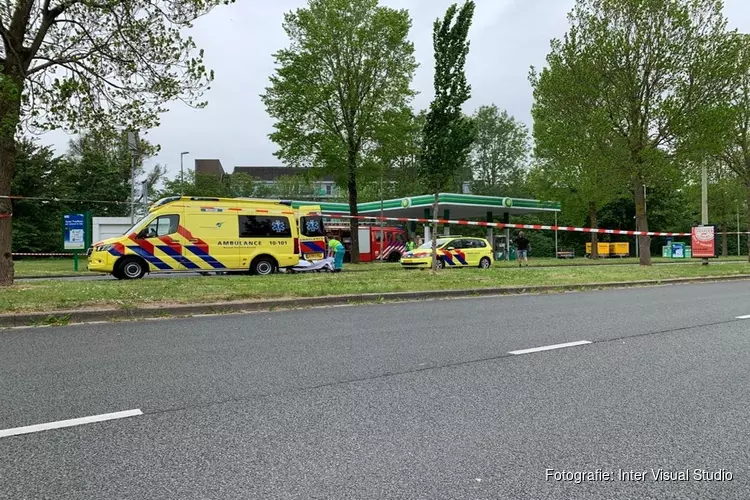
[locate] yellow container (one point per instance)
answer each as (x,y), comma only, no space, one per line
(619,249)
(603,249)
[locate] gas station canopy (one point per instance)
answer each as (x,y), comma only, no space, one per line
(450,206)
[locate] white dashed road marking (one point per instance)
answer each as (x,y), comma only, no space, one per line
(747,316)
(550,347)
(69,423)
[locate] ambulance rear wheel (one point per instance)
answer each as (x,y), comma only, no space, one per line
(485,263)
(131,268)
(263,266)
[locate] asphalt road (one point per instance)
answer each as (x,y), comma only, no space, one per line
(398,401)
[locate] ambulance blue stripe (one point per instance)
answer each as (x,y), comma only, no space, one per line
(178,257)
(206,257)
(315,247)
(461,259)
(152,259)
(448,259)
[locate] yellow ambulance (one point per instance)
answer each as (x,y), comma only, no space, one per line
(199,234)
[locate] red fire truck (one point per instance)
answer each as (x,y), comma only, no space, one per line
(369,241)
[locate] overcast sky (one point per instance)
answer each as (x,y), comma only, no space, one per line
(507,37)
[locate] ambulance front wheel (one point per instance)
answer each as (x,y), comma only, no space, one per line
(130,268)
(262,266)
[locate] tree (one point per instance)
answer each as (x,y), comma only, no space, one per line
(499,158)
(648,70)
(37,223)
(104,155)
(345,76)
(197,185)
(63,184)
(78,64)
(736,126)
(448,134)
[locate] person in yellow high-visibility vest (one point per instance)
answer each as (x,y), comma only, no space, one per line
(337,250)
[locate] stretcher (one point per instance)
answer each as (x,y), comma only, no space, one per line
(325,265)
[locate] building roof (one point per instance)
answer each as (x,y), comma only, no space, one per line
(270,174)
(208,167)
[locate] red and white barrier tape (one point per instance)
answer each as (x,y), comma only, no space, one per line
(41,254)
(6,216)
(502,225)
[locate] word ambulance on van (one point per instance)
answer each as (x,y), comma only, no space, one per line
(197,234)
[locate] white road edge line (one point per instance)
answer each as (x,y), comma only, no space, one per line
(69,423)
(747,316)
(550,347)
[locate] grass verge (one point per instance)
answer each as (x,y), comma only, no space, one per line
(31,268)
(51,295)
(35,268)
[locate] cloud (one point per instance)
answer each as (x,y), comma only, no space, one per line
(508,36)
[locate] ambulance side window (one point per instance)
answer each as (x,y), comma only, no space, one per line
(161,226)
(264,226)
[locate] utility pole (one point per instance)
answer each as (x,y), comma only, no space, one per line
(133,147)
(704,200)
(556,250)
(182,172)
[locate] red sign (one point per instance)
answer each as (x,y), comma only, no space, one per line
(703,241)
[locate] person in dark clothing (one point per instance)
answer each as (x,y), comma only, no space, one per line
(522,249)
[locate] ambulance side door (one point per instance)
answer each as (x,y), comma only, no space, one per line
(157,245)
(212,240)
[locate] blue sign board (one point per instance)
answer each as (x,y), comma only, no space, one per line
(74,232)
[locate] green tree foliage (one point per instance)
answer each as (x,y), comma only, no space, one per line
(80,64)
(99,166)
(240,184)
(392,165)
(735,154)
(631,80)
(96,169)
(37,224)
(499,158)
(192,184)
(344,79)
(448,133)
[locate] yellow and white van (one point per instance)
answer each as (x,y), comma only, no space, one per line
(197,234)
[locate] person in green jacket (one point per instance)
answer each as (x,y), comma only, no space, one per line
(336,248)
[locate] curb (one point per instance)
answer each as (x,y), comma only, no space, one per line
(99,315)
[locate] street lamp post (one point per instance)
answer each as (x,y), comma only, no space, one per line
(182,172)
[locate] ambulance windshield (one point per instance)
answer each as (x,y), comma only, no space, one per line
(137,225)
